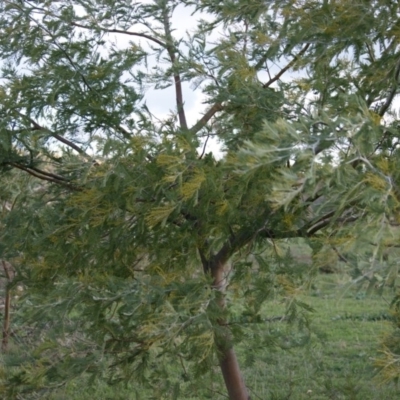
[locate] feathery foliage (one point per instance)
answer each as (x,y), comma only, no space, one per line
(132,238)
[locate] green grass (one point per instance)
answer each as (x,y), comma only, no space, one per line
(338,364)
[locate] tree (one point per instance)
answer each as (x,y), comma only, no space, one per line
(136,229)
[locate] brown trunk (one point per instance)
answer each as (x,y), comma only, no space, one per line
(232,376)
(227,358)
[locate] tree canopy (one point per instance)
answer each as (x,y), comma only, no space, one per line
(132,236)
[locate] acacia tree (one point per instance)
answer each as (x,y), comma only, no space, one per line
(137,234)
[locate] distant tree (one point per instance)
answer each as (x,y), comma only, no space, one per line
(138,241)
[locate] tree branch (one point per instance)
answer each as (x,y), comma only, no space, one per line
(45,176)
(71,144)
(327,221)
(60,138)
(143,35)
(204,147)
(290,65)
(206,117)
(49,174)
(318,226)
(233,244)
(38,127)
(392,93)
(177,79)
(319,222)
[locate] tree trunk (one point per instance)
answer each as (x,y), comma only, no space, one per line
(232,376)
(227,358)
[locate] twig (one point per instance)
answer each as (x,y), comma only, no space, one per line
(290,65)
(340,255)
(370,52)
(318,226)
(38,127)
(322,219)
(45,176)
(143,35)
(204,147)
(392,93)
(49,174)
(70,144)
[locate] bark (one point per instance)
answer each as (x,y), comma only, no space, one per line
(172,51)
(232,376)
(227,358)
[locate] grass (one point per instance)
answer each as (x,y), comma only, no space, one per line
(339,364)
